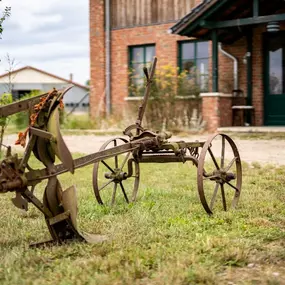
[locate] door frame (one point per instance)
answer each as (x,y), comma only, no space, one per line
(265,37)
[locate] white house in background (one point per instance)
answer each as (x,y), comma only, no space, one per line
(26,79)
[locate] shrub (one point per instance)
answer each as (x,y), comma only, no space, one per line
(168,85)
(21,119)
(4,100)
(80,122)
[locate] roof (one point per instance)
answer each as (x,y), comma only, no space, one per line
(217,14)
(195,12)
(45,73)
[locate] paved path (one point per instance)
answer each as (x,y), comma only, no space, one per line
(262,151)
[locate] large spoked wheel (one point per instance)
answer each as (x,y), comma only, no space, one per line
(116,178)
(219,174)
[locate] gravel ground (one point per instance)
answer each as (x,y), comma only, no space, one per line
(262,151)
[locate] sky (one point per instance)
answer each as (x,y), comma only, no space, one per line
(50,35)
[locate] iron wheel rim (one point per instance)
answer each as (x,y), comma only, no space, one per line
(208,206)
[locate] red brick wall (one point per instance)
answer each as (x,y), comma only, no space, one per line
(210,113)
(257,75)
(225,111)
(97,56)
(166,52)
(217,112)
(238,50)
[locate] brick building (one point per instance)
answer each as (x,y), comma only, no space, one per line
(235,45)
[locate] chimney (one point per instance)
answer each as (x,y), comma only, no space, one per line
(71,77)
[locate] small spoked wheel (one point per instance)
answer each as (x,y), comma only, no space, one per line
(116,179)
(219,174)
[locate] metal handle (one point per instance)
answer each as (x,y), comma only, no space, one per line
(146,92)
(146,73)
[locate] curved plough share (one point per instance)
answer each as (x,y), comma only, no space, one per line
(45,141)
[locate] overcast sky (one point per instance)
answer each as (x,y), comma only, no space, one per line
(51,35)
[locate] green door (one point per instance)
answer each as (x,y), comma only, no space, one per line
(274,99)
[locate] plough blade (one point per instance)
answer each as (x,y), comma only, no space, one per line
(69,203)
(53,191)
(59,147)
(63,225)
(43,152)
(20,202)
(45,141)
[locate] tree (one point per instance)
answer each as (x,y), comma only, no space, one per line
(5,14)
(5,98)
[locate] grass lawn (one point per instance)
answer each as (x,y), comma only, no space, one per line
(164,238)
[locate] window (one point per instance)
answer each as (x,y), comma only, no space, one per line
(139,56)
(194,58)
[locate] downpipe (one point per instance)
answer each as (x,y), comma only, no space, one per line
(108,56)
(235,70)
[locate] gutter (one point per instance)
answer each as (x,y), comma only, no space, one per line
(108,57)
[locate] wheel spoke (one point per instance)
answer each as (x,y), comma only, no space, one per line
(106,185)
(230,164)
(124,192)
(107,166)
(116,157)
(214,196)
(213,158)
(210,177)
(231,185)
(223,152)
(112,173)
(125,160)
(223,197)
(114,194)
(33,188)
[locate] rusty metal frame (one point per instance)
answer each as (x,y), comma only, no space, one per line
(142,146)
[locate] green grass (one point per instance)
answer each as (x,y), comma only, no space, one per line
(163,238)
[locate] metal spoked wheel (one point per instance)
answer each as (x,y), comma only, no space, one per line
(116,178)
(219,174)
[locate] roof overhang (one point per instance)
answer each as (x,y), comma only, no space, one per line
(230,18)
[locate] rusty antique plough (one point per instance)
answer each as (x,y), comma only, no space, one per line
(116,166)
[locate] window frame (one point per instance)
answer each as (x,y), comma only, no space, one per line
(130,58)
(144,46)
(195,59)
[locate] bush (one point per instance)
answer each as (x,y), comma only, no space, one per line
(21,119)
(168,85)
(80,122)
(4,100)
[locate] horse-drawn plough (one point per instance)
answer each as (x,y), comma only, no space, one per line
(117,162)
